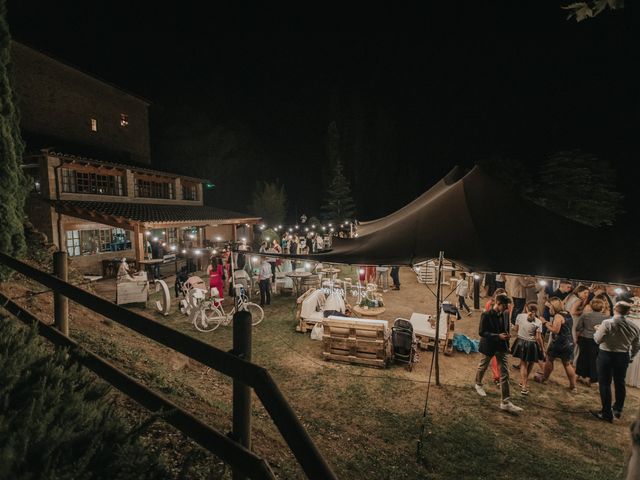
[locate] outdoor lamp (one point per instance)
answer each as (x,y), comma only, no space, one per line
(173,248)
(255,259)
(361,271)
(307,265)
(543,283)
(147,233)
(218,239)
(155,239)
(476,276)
(618,291)
(184,251)
(197,252)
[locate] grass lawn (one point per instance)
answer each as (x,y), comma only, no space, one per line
(367,421)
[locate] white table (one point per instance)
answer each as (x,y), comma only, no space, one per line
(422,327)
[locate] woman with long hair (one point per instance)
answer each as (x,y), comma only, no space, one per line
(528,346)
(561,346)
(215,272)
(587,347)
(577,301)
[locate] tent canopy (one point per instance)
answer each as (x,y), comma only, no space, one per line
(485,227)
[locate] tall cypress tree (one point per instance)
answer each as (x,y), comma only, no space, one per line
(338,205)
(13,189)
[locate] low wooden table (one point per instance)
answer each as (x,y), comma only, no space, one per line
(297,278)
(368,312)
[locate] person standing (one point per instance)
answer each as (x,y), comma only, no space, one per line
(561,345)
(395,276)
(517,290)
(619,341)
(528,346)
(215,272)
(586,364)
(462,290)
(264,279)
(494,342)
(381,278)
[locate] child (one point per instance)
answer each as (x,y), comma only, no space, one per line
(528,346)
(462,290)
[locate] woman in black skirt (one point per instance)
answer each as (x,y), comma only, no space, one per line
(528,345)
(587,348)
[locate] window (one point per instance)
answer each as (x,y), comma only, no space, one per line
(94,125)
(74,181)
(90,242)
(73,243)
(149,189)
(189,192)
(172,236)
(124,120)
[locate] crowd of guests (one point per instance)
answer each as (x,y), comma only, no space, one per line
(585,327)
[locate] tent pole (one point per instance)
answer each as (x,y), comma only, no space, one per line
(437,342)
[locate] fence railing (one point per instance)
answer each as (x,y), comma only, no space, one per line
(254,376)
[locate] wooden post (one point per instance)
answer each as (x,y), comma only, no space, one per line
(241,392)
(437,342)
(140,241)
(476,291)
(60,302)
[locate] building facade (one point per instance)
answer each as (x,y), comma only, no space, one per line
(115,205)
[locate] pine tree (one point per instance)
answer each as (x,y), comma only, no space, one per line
(13,187)
(579,186)
(56,419)
(338,205)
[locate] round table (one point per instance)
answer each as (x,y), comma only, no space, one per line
(368,312)
(331,272)
(297,278)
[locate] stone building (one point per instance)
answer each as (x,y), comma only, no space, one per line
(94,192)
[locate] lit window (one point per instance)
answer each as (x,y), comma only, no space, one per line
(124,120)
(94,125)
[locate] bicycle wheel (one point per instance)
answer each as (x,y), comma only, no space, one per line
(207,319)
(257,314)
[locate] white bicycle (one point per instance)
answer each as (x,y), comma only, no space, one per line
(209,314)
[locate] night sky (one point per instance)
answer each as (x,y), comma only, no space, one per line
(451,86)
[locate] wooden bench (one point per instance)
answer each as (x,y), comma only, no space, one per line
(358,341)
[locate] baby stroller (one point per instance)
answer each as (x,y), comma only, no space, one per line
(404,342)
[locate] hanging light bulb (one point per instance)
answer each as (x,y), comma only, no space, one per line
(184,251)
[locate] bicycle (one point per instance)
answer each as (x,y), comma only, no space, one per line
(207,315)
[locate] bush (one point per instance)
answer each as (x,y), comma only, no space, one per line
(56,421)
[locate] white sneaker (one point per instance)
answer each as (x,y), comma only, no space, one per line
(509,407)
(480,390)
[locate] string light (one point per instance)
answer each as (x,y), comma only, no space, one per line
(197,252)
(476,276)
(164,244)
(306,229)
(618,291)
(147,233)
(244,239)
(307,265)
(542,283)
(173,248)
(255,259)
(184,251)
(218,239)
(155,239)
(313,226)
(164,233)
(331,229)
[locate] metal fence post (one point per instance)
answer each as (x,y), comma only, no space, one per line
(60,302)
(241,392)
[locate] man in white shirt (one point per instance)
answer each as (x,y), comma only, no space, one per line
(619,341)
(264,278)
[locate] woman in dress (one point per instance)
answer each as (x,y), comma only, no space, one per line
(215,271)
(577,300)
(528,345)
(561,346)
(588,349)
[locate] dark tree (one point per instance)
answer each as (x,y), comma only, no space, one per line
(13,186)
(269,202)
(338,205)
(579,186)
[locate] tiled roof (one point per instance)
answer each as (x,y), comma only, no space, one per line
(154,213)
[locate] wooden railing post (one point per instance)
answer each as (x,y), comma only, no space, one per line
(241,391)
(60,302)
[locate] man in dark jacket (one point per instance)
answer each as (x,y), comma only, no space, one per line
(494,341)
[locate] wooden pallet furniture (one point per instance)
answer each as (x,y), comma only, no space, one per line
(424,330)
(303,326)
(356,341)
